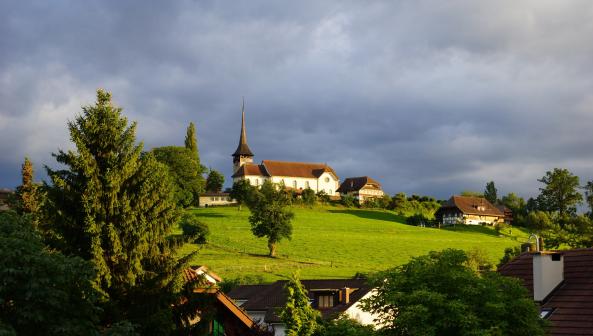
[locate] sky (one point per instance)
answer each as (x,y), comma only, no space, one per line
(427,97)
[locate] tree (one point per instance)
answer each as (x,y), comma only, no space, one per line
(490,193)
(438,294)
(538,221)
(560,192)
(193,229)
(269,215)
(589,197)
(241,192)
(187,180)
(344,326)
(517,206)
(300,319)
(309,197)
(348,201)
(113,206)
(42,292)
(215,181)
(191,143)
(28,193)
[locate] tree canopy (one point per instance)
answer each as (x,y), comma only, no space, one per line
(438,294)
(560,192)
(300,319)
(214,181)
(269,215)
(490,193)
(113,206)
(241,192)
(187,180)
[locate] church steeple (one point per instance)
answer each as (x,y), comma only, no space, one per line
(243,153)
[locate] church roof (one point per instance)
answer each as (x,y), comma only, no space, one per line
(357,183)
(250,169)
(243,149)
(296,169)
(285,168)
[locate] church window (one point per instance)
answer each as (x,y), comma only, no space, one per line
(326,179)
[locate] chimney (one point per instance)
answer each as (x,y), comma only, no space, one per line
(548,273)
(345,295)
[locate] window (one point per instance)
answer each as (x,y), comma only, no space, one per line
(326,301)
(307,184)
(326,179)
(294,184)
(545,313)
(256,182)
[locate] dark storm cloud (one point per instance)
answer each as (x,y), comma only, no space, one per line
(426,96)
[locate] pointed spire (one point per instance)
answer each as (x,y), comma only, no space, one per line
(243,148)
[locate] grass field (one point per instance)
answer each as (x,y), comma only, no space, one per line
(333,242)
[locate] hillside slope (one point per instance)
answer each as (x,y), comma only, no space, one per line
(333,242)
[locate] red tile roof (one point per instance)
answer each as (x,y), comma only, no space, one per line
(572,301)
(251,169)
(472,206)
(285,168)
(357,183)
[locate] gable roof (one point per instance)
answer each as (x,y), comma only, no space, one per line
(472,206)
(268,298)
(357,183)
(194,273)
(250,169)
(296,169)
(572,301)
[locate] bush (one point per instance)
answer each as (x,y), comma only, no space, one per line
(194,231)
(343,326)
(349,201)
(418,220)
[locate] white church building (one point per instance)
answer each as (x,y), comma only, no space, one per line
(294,175)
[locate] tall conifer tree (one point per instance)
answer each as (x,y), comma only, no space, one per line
(27,201)
(113,205)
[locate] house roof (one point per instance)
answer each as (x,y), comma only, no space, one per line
(572,301)
(268,298)
(250,169)
(220,194)
(357,183)
(472,206)
(193,273)
(296,169)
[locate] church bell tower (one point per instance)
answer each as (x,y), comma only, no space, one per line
(242,154)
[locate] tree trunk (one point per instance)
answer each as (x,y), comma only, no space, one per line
(272,247)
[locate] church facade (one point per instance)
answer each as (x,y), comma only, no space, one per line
(293,175)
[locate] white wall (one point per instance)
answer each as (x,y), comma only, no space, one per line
(355,312)
(317,185)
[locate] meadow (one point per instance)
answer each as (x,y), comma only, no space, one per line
(333,242)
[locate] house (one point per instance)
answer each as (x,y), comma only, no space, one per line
(330,297)
(5,194)
(469,210)
(561,282)
(215,199)
(508,213)
(228,319)
(296,175)
(362,188)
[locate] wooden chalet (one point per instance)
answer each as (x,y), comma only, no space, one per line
(363,188)
(469,210)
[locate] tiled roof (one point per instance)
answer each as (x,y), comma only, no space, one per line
(191,274)
(296,169)
(270,297)
(572,301)
(472,206)
(357,183)
(250,169)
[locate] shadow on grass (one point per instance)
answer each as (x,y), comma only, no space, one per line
(472,229)
(372,214)
(210,214)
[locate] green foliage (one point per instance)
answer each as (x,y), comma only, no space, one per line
(589,197)
(437,294)
(418,220)
(270,216)
(377,203)
(560,192)
(241,192)
(344,326)
(194,230)
(538,221)
(323,197)
(414,205)
(490,193)
(509,254)
(309,198)
(348,201)
(214,181)
(42,292)
(471,193)
(300,319)
(517,205)
(187,180)
(114,207)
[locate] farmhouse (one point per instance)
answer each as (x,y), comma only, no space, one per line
(295,175)
(330,297)
(361,188)
(215,199)
(469,210)
(562,283)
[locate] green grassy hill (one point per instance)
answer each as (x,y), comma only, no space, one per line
(330,242)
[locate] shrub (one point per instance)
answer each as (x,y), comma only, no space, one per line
(194,231)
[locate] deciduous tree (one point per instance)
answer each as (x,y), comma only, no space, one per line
(270,216)
(241,192)
(215,181)
(187,180)
(560,192)
(300,319)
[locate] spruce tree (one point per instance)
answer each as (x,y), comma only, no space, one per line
(191,143)
(113,205)
(27,201)
(490,193)
(298,316)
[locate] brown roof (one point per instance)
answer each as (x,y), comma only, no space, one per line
(250,169)
(296,169)
(220,194)
(357,183)
(270,297)
(190,274)
(472,206)
(572,301)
